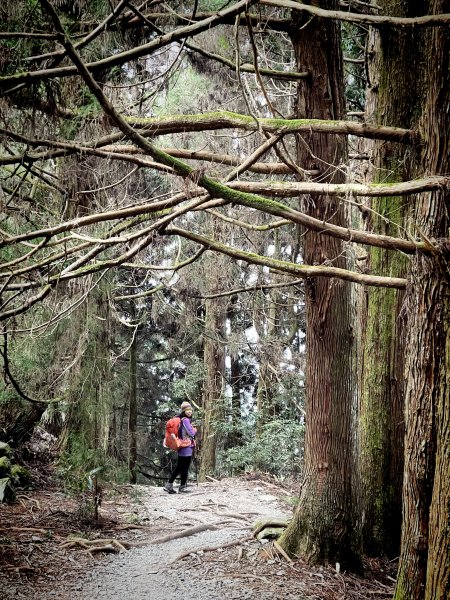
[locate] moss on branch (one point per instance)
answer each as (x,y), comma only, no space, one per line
(232,120)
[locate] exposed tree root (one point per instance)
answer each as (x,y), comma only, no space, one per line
(186,532)
(213,548)
(224,513)
(279,549)
(249,576)
(270,522)
(33,529)
(267,484)
(99,545)
(131,526)
(18,568)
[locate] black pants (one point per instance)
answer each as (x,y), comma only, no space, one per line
(181,469)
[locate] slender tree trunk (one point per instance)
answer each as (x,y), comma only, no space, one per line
(212,397)
(234,438)
(132,411)
(235,381)
(424,568)
(322,529)
(270,335)
(268,360)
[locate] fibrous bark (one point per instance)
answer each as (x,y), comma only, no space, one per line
(322,528)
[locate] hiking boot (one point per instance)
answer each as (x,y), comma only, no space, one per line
(169,488)
(182,489)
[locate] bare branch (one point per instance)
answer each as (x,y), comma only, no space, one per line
(173,268)
(252,288)
(247,68)
(80,267)
(250,160)
(302,271)
(268,22)
(13,312)
(8,35)
(363,19)
(266,168)
(140,294)
(8,377)
(87,39)
(123,57)
(130,211)
(250,226)
(288,189)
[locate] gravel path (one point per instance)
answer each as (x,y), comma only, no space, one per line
(152,572)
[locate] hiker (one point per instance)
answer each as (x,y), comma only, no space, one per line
(184,454)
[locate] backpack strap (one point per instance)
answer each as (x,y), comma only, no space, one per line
(180,428)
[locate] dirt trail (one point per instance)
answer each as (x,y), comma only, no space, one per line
(217,558)
(153,571)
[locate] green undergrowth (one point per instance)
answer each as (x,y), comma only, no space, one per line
(277,449)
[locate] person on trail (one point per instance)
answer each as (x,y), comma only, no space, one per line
(184,454)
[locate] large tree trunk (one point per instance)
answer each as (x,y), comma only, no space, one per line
(322,529)
(438,568)
(382,390)
(426,485)
(424,566)
(424,569)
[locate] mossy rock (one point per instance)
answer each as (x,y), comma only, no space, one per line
(20,476)
(5,466)
(5,449)
(7,493)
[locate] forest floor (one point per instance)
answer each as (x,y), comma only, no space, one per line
(149,544)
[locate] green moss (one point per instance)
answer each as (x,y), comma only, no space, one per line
(229,116)
(5,466)
(5,449)
(20,475)
(380,371)
(223,42)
